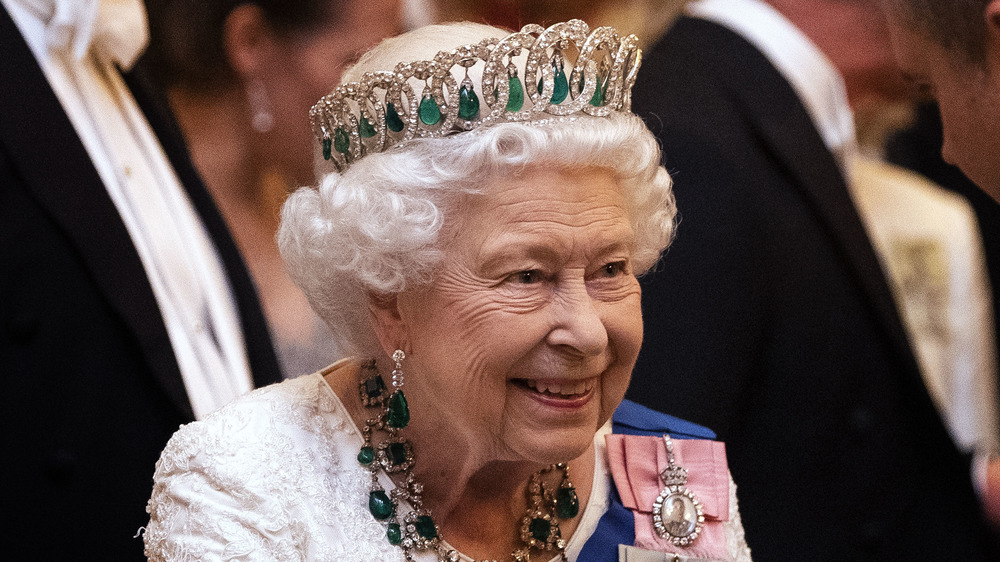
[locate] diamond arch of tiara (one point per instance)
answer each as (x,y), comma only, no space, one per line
(351,122)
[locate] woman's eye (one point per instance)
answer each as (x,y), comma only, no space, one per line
(526,277)
(613,269)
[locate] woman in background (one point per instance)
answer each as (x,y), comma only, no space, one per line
(241,77)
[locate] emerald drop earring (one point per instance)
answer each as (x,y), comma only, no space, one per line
(399,413)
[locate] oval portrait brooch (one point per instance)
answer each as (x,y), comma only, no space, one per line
(677,514)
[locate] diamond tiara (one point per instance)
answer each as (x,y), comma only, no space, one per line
(382,110)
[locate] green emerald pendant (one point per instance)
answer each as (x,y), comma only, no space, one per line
(599,92)
(394,533)
(567,504)
(392,119)
(560,88)
(380,505)
(327,148)
(365,128)
(516,98)
(341,142)
(366,455)
(399,413)
(429,111)
(468,103)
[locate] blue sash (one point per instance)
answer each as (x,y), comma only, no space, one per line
(617,525)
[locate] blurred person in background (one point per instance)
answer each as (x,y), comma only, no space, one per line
(241,77)
(648,18)
(127,310)
(791,314)
(951,52)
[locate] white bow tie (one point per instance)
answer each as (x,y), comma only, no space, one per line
(115,28)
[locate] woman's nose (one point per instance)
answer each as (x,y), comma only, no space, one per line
(579,325)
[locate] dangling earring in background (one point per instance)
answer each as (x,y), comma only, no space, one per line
(260,106)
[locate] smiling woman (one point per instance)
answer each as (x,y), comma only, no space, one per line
(487,256)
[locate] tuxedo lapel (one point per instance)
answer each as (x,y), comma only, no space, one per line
(56,169)
(783,124)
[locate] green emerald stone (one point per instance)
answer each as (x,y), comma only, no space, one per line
(540,529)
(327,148)
(598,99)
(425,527)
(380,505)
(567,504)
(374,387)
(399,413)
(468,103)
(560,90)
(516,98)
(341,142)
(392,119)
(366,455)
(365,128)
(561,87)
(429,111)
(396,453)
(394,533)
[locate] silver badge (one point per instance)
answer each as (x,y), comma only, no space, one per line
(677,514)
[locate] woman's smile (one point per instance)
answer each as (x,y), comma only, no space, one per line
(564,393)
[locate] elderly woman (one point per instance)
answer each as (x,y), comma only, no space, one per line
(476,246)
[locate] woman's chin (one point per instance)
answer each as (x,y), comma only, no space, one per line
(559,449)
(547,445)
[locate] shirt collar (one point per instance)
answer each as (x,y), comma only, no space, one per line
(116,29)
(811,74)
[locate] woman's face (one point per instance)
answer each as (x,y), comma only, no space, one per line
(523,345)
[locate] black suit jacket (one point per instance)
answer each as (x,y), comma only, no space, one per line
(91,387)
(771,322)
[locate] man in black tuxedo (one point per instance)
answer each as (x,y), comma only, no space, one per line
(93,388)
(951,51)
(770,320)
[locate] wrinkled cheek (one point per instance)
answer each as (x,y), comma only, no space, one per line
(613,389)
(629,336)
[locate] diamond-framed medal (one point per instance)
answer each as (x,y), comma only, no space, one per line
(678,515)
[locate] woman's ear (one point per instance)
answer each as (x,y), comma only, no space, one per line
(390,328)
(248,40)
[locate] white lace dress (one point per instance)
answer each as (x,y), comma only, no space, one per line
(274,476)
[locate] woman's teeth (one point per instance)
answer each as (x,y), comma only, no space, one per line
(563,388)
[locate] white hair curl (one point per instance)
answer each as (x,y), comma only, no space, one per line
(376,227)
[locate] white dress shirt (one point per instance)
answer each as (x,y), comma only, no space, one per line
(79,44)
(926,237)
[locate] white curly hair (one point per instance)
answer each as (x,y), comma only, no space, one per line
(377,227)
